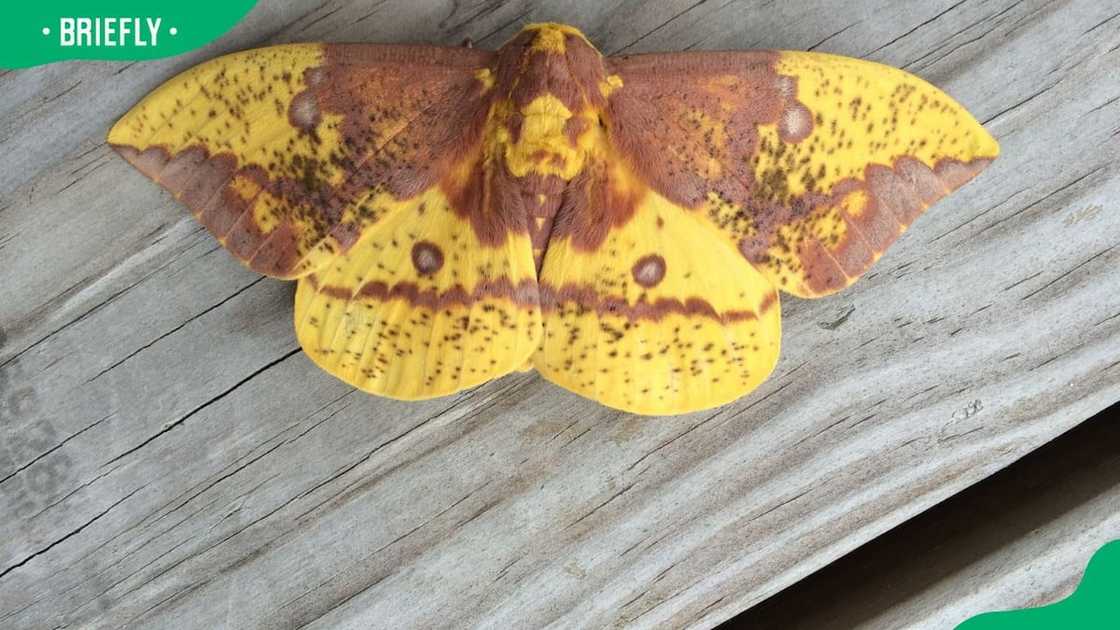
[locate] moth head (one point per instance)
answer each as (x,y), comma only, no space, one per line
(552,37)
(555,58)
(549,43)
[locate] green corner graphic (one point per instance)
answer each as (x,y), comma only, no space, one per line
(1095,603)
(35,33)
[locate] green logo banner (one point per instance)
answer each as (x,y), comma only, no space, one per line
(1095,603)
(40,32)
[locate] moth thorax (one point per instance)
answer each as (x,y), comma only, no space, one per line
(549,139)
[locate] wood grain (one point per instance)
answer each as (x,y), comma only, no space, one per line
(170,459)
(1021,538)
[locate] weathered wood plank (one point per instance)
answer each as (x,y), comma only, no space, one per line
(169,458)
(1021,538)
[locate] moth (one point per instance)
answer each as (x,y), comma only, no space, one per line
(623,225)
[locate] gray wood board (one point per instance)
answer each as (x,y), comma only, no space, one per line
(1021,538)
(170,459)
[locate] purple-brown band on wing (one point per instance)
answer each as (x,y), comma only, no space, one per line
(522,294)
(201,182)
(587,297)
(527,294)
(896,196)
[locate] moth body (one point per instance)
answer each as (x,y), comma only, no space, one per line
(545,122)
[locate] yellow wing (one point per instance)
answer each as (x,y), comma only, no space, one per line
(360,170)
(810,164)
(420,307)
(287,153)
(723,177)
(661,316)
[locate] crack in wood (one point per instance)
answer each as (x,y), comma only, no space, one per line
(826,39)
(658,27)
(601,505)
(1066,274)
(1039,201)
(173,330)
(71,534)
(1020,103)
(191,413)
(913,30)
(54,448)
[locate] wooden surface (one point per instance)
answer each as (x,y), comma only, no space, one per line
(170,459)
(1020,538)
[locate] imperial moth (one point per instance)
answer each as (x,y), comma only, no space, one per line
(623,225)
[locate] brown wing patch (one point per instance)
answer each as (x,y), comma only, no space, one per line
(812,165)
(287,153)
